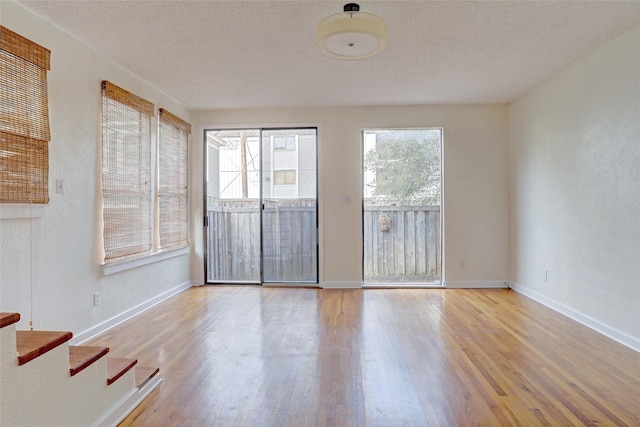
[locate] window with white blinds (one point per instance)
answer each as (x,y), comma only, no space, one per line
(126,174)
(24,120)
(173,202)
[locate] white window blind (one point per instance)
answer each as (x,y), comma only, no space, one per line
(126,174)
(24,120)
(173,202)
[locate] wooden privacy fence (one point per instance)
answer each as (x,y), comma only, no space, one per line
(289,241)
(402,243)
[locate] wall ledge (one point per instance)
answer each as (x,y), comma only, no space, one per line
(108,269)
(103,327)
(21,210)
(588,321)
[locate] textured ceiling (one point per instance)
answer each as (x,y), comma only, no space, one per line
(255,54)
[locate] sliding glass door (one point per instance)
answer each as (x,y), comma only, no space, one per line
(232,187)
(289,215)
(261,203)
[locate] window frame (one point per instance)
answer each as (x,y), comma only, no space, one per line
(285,173)
(167,124)
(127,179)
(290,142)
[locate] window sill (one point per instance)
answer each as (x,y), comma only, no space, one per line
(21,210)
(108,269)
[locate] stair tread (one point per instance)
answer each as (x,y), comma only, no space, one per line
(31,344)
(144,374)
(7,319)
(82,356)
(117,367)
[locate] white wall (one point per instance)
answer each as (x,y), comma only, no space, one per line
(575,189)
(66,242)
(475,180)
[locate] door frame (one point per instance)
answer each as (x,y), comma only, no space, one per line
(261,130)
(390,284)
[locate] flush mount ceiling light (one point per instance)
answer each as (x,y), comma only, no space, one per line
(351,34)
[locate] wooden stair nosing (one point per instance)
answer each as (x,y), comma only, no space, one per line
(82,356)
(117,367)
(31,344)
(144,374)
(7,319)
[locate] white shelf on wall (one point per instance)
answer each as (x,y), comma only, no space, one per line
(21,210)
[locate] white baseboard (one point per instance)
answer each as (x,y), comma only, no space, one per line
(588,321)
(341,285)
(471,284)
(128,404)
(289,285)
(402,285)
(475,284)
(122,317)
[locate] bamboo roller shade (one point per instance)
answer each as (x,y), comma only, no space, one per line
(24,48)
(126,174)
(169,118)
(24,170)
(24,120)
(173,200)
(127,98)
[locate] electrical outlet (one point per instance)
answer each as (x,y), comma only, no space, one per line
(545,275)
(96,299)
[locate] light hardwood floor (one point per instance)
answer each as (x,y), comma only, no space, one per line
(249,356)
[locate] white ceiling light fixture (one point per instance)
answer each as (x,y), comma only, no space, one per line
(351,34)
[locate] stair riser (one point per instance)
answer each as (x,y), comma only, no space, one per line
(8,353)
(46,380)
(42,381)
(42,392)
(92,388)
(118,413)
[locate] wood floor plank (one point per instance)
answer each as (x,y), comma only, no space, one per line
(384,357)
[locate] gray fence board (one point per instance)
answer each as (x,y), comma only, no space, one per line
(289,242)
(408,251)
